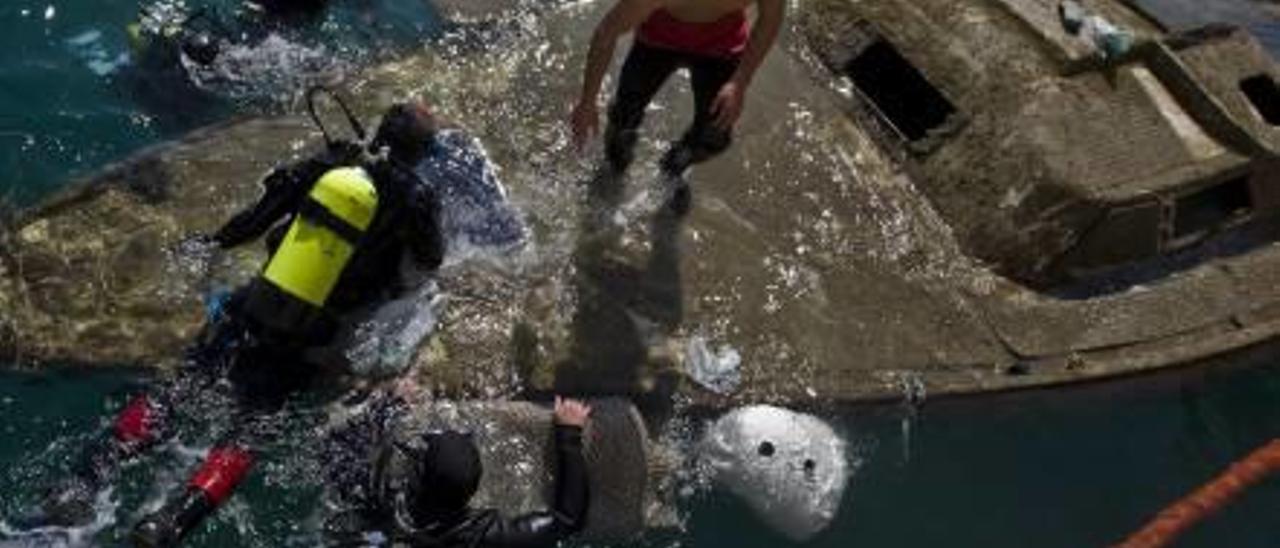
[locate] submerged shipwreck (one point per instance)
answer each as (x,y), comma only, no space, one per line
(980,200)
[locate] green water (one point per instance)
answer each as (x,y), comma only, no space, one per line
(1075,468)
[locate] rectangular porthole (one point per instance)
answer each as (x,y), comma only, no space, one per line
(1209,208)
(1265,96)
(901,94)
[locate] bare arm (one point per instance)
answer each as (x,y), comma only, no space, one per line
(763,34)
(728,103)
(625,16)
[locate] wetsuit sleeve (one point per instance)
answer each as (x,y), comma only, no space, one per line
(426,239)
(541,529)
(284,190)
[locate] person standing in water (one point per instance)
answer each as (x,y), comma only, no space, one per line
(713,39)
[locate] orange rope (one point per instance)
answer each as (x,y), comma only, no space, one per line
(1170,523)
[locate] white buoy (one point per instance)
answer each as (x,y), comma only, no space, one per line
(789,467)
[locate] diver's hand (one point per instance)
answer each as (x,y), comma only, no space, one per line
(727,106)
(571,412)
(584,121)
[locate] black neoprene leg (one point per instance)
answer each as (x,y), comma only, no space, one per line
(643,74)
(703,140)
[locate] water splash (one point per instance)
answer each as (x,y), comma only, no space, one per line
(90,47)
(105,506)
(275,68)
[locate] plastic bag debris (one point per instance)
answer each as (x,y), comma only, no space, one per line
(384,345)
(718,371)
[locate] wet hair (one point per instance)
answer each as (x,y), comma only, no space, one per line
(406,130)
(447,476)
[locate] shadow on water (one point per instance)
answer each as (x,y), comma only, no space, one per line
(624,311)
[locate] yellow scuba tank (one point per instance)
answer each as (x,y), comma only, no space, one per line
(288,298)
(310,259)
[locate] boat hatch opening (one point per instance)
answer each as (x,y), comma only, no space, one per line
(1208,209)
(1265,96)
(899,91)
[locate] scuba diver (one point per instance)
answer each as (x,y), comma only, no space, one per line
(337,226)
(186,67)
(398,487)
(162,35)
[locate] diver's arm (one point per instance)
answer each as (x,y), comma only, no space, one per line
(727,106)
(545,528)
(625,16)
(569,515)
(572,486)
(283,190)
(763,35)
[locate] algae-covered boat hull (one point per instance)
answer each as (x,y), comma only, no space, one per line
(812,248)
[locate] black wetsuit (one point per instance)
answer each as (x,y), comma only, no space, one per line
(243,371)
(645,70)
(350,457)
(407,220)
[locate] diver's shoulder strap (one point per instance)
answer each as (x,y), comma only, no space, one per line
(344,153)
(344,200)
(313,211)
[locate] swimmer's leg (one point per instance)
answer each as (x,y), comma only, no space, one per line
(214,481)
(141,425)
(703,140)
(643,74)
(144,423)
(263,376)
